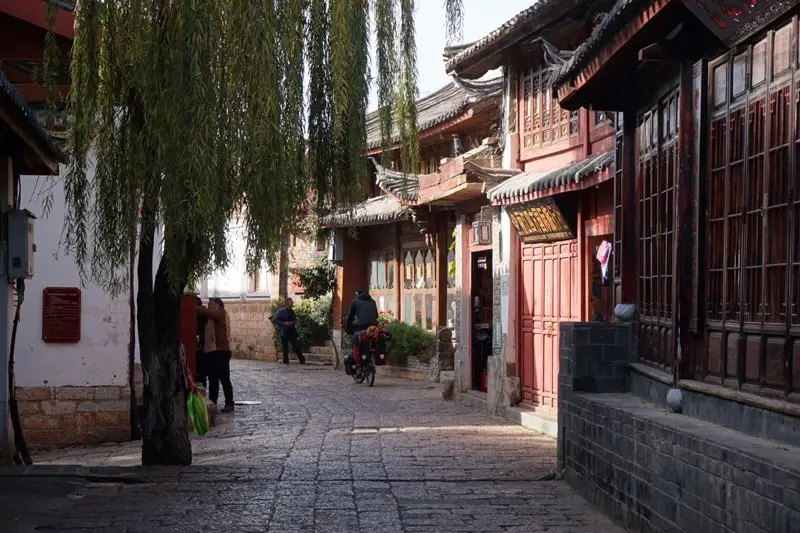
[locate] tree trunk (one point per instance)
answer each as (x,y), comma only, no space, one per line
(165,435)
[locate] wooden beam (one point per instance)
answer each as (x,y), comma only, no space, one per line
(683,362)
(661,52)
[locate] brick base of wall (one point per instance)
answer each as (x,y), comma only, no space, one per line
(251,330)
(656,471)
(70,416)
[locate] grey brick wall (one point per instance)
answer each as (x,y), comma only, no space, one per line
(655,471)
(595,356)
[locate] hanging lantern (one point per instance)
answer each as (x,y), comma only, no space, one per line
(482,229)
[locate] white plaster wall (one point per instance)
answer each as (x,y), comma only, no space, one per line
(101,356)
(234,281)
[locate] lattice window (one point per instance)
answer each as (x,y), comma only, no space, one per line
(749,187)
(602,118)
(753,247)
(381,280)
(544,120)
(419,287)
(658,170)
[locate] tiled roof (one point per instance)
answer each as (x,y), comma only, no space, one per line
(523,17)
(619,15)
(454,49)
(67,5)
(379,210)
(441,106)
(10,93)
(402,185)
(529,182)
(489,175)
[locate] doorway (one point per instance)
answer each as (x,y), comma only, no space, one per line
(481,305)
(548,296)
(601,286)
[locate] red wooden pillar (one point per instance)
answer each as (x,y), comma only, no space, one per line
(683,362)
(630,258)
(189,331)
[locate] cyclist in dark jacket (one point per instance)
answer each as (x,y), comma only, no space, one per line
(363,313)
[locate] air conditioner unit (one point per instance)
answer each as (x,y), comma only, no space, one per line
(482,233)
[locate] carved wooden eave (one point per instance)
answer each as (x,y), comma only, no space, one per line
(37,152)
(603,52)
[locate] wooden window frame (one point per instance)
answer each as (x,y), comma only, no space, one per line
(752,243)
(657,178)
(382,293)
(415,297)
(543,122)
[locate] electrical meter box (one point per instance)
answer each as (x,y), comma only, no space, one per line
(19,226)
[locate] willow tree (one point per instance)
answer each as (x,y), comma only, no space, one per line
(189,112)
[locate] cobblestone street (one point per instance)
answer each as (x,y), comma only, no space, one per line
(318,454)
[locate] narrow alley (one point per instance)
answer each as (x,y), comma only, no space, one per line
(319,453)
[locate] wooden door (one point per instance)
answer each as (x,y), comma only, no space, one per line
(549,291)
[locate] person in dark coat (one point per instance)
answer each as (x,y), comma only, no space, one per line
(363,313)
(286,320)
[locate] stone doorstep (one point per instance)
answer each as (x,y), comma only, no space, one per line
(532,418)
(476,400)
(321,350)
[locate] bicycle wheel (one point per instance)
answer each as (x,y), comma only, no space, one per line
(360,375)
(371,372)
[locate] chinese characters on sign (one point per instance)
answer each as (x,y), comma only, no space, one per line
(61,315)
(540,221)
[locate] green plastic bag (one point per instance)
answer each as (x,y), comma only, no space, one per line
(198,413)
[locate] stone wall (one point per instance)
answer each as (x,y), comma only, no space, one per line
(656,471)
(251,330)
(68,416)
(414,369)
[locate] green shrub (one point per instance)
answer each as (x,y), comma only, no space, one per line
(317,280)
(410,341)
(313,321)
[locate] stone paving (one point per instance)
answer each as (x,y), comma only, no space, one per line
(318,454)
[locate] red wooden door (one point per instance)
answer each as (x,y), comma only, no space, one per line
(549,291)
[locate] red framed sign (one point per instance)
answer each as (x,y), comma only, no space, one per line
(61,315)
